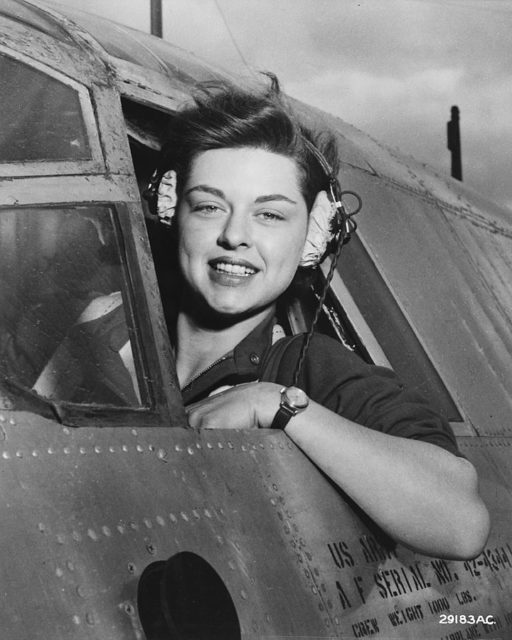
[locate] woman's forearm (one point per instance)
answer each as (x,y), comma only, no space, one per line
(421,495)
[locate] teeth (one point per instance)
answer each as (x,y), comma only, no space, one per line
(235,269)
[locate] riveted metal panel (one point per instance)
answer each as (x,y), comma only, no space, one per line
(85,511)
(445,297)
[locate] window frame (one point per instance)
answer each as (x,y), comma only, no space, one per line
(44,167)
(156,410)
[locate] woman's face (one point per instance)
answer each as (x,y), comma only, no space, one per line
(242,224)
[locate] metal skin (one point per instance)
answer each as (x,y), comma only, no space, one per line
(86,509)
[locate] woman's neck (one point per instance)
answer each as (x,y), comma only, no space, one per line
(198,346)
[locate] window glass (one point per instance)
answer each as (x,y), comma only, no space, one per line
(63,325)
(391,328)
(41,117)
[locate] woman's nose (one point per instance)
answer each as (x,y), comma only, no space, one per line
(235,231)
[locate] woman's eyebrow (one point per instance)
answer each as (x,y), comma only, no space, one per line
(274,196)
(205,187)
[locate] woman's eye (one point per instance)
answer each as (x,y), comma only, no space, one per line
(207,208)
(271,215)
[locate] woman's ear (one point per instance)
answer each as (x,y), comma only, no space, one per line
(167,198)
(321,230)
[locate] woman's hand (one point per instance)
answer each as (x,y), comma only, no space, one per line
(252,405)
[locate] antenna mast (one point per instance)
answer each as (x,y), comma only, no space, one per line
(454,143)
(156,18)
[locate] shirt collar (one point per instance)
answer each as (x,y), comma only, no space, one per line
(243,364)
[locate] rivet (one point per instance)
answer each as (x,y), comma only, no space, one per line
(83,451)
(6,455)
(58,572)
(61,539)
(151,549)
(19,454)
(161,454)
(209,445)
(173,518)
(70,565)
(112,449)
(120,528)
(134,432)
(230,444)
(2,418)
(195,513)
(106,531)
(35,453)
(131,567)
(314,590)
(134,526)
(207,513)
(76,620)
(254,358)
(177,447)
(92,535)
(190,451)
(243,594)
(220,445)
(160,521)
(67,450)
(76,536)
(124,448)
(90,618)
(184,516)
(139,448)
(148,523)
(12,422)
(198,445)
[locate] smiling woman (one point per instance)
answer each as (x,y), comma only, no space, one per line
(252,202)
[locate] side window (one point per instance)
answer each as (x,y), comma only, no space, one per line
(64,325)
(386,324)
(41,117)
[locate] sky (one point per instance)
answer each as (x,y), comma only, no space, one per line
(392,68)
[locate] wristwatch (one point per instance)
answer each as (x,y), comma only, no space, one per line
(293,401)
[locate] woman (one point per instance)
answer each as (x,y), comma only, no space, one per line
(242,185)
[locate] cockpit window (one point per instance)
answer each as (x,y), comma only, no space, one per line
(41,117)
(64,328)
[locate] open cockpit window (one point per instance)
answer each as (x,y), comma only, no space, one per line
(64,323)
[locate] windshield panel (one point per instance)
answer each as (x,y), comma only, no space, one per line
(64,331)
(41,117)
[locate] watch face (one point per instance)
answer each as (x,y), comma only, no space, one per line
(296,398)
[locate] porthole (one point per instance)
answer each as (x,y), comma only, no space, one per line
(186,599)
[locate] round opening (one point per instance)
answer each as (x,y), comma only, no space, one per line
(186,599)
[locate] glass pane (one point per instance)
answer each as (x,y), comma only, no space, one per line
(41,117)
(391,329)
(63,328)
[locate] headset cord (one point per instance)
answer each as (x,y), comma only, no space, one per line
(348,226)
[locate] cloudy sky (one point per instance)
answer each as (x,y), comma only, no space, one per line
(392,68)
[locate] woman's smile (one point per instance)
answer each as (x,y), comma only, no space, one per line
(242,224)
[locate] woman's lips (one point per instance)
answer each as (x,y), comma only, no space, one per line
(234,268)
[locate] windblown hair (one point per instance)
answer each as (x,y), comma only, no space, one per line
(224,116)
